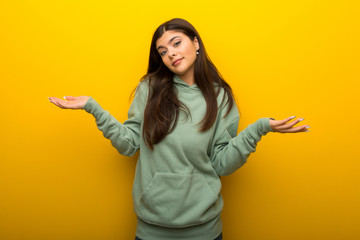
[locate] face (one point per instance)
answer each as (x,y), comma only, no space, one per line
(178,52)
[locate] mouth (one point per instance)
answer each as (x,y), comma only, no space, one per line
(176,62)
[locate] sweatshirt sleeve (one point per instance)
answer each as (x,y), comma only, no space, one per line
(231,150)
(125,137)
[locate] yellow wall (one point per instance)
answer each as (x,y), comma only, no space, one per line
(61,179)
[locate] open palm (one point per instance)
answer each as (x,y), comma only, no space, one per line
(284,126)
(70,102)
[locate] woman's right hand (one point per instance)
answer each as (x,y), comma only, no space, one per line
(282,126)
(70,102)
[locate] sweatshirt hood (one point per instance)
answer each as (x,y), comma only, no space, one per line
(180,84)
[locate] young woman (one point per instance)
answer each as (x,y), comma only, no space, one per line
(184,121)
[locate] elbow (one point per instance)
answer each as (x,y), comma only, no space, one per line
(125,148)
(228,170)
(128,152)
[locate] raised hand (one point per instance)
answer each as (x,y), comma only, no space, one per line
(70,102)
(284,126)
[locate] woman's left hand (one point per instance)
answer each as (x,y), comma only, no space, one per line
(284,126)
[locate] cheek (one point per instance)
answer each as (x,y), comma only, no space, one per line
(166,62)
(191,52)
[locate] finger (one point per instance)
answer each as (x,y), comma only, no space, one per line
(287,119)
(52,99)
(279,124)
(59,102)
(70,98)
(63,103)
(291,124)
(302,128)
(55,101)
(68,104)
(287,125)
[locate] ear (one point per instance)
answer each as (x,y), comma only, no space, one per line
(196,43)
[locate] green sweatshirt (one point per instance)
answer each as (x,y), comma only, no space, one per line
(176,190)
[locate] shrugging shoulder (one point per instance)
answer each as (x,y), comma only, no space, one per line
(229,150)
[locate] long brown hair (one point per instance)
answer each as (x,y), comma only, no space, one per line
(162,109)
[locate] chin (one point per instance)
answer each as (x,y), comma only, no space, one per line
(180,71)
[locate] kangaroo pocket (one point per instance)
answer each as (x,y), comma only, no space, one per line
(177,200)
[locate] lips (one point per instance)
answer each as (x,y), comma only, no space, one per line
(176,61)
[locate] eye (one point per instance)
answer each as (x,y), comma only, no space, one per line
(162,53)
(177,43)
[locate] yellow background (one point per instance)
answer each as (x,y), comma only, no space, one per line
(61,179)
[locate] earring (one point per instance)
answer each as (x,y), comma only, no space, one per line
(197,52)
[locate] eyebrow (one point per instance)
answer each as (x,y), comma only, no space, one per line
(168,42)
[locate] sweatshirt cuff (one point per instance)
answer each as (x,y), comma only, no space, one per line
(92,107)
(264,125)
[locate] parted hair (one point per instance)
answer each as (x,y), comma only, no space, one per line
(162,107)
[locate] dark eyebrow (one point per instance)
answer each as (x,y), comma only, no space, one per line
(168,42)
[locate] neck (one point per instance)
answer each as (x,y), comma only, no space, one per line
(188,78)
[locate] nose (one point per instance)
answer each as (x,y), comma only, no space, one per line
(172,52)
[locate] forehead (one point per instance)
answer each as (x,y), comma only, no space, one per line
(164,39)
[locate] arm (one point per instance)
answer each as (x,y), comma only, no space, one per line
(230,151)
(125,137)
